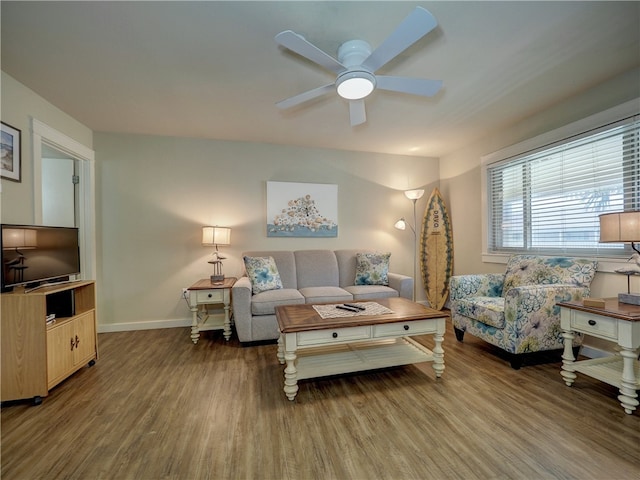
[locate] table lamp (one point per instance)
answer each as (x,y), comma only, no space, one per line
(624,227)
(216,236)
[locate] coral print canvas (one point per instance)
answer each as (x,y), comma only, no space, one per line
(302,210)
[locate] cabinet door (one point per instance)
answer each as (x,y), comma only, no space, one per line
(60,347)
(23,347)
(84,338)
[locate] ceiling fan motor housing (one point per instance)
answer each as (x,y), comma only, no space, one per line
(353,52)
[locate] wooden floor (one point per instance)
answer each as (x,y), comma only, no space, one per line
(157,407)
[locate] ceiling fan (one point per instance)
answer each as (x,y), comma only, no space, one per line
(357,63)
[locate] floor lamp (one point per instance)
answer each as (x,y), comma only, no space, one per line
(401,224)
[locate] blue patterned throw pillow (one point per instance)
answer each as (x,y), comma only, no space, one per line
(263,273)
(372,268)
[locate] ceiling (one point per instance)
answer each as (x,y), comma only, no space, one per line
(213,69)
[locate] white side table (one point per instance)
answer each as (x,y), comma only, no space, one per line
(202,294)
(617,322)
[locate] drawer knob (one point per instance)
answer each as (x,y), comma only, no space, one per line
(592,322)
(334,334)
(406,327)
(210,295)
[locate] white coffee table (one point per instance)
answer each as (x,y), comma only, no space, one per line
(315,347)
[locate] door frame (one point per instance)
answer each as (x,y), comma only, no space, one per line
(85,209)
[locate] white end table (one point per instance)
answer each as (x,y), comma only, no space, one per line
(617,322)
(204,293)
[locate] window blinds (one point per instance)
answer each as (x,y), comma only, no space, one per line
(549,200)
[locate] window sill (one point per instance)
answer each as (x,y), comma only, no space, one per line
(605,264)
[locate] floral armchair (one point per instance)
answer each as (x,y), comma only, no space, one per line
(516,311)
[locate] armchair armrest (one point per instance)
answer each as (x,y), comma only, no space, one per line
(241,294)
(479,285)
(402,283)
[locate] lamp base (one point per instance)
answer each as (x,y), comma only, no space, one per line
(630,298)
(217,278)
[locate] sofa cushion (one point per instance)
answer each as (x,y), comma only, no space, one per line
(370,292)
(265,303)
(325,295)
(316,268)
(263,273)
(488,310)
(538,270)
(372,268)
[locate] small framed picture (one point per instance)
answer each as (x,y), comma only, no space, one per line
(10,153)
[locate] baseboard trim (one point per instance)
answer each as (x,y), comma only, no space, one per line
(586,350)
(150,325)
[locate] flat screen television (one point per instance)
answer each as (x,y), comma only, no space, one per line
(35,254)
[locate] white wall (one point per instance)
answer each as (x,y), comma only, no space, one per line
(19,106)
(460,179)
(154,194)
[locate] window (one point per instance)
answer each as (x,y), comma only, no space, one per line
(547,200)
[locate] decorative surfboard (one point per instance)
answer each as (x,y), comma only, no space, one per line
(436,251)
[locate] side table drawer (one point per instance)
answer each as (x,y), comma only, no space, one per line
(398,329)
(321,337)
(210,296)
(602,327)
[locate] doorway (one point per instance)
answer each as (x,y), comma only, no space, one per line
(59,190)
(55,155)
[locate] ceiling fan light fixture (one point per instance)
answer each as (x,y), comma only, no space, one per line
(355,85)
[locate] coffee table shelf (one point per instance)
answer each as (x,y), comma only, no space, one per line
(356,357)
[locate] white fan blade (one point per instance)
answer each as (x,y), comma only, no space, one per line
(415,86)
(357,113)
(415,26)
(305,96)
(296,43)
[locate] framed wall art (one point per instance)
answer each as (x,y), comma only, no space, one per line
(302,209)
(10,153)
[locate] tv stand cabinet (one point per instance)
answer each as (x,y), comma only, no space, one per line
(36,356)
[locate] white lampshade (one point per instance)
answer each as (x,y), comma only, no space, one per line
(401,224)
(19,238)
(216,235)
(620,227)
(414,194)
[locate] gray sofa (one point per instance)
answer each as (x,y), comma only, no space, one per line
(308,276)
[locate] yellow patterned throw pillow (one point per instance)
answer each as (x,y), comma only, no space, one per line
(263,273)
(372,268)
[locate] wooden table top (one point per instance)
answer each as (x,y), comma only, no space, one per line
(303,317)
(612,308)
(205,284)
